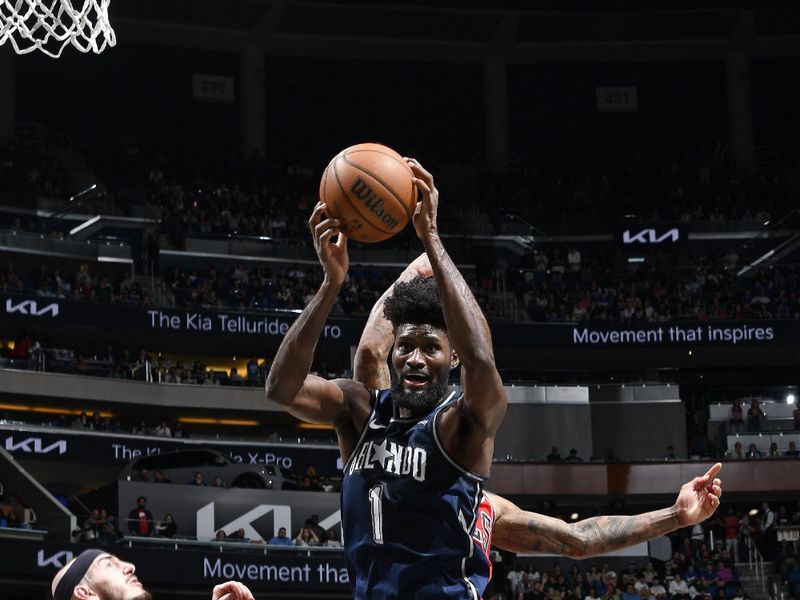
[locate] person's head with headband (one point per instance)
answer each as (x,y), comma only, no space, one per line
(95,574)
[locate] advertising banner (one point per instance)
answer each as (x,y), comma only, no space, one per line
(259,568)
(563,336)
(108,449)
(122,317)
(202,511)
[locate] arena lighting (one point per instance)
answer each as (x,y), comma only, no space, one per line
(753,512)
(790,398)
(636,259)
(84,225)
(315,426)
(209,421)
(51,410)
(574,516)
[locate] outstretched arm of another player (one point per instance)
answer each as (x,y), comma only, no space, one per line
(521,531)
(484,395)
(369,363)
(289,383)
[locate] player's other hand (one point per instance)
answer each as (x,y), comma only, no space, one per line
(427,207)
(231,590)
(699,498)
(332,252)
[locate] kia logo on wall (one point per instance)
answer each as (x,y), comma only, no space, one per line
(35,446)
(57,560)
(31,308)
(652,236)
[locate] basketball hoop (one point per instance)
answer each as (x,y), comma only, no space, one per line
(50,25)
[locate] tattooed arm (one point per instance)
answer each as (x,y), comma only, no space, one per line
(521,531)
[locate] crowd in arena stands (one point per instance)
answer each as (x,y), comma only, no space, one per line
(693,187)
(550,284)
(253,198)
(553,284)
(12,511)
(47,282)
(96,422)
(285,287)
(140,523)
(29,353)
(99,527)
(698,568)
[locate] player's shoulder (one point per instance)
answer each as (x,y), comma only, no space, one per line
(500,506)
(358,401)
(354,393)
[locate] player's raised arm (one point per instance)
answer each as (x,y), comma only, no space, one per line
(484,395)
(521,531)
(289,383)
(369,363)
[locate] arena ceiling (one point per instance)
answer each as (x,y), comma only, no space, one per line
(457,32)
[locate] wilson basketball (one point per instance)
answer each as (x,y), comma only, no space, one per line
(368,188)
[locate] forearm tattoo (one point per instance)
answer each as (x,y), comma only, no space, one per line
(598,535)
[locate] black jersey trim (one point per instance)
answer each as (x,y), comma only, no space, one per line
(470,474)
(363,433)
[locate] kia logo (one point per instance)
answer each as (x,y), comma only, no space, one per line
(34,446)
(651,236)
(57,560)
(31,308)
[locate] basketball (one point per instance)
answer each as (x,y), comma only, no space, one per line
(368,188)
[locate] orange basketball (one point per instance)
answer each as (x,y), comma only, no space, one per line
(368,188)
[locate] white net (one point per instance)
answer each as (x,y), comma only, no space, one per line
(51,25)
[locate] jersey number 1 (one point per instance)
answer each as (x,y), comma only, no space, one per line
(376,510)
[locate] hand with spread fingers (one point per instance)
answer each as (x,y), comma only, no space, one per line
(231,590)
(699,498)
(427,207)
(332,254)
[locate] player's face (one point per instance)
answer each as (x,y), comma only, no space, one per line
(422,360)
(113,579)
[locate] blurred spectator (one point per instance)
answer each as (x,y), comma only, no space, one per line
(332,541)
(167,528)
(198,480)
(140,520)
(731,532)
(554,455)
(792,451)
(305,537)
(217,482)
(162,429)
(670,453)
(313,524)
(753,452)
(754,417)
(573,456)
(280,539)
(239,536)
(736,417)
(678,587)
(158,477)
(738,451)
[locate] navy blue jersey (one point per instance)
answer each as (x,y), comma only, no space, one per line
(412,519)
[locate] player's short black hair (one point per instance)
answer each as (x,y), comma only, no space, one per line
(416,302)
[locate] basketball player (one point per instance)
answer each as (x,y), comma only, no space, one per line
(96,574)
(505,525)
(416,457)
